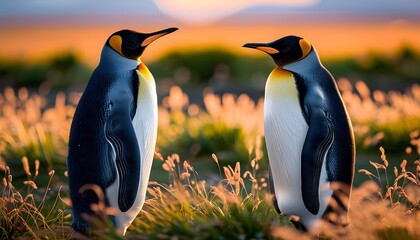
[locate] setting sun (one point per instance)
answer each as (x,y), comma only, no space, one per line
(196,12)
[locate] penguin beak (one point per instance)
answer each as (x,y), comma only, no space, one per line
(265,47)
(151,37)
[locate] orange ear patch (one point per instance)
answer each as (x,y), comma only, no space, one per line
(115,42)
(306,47)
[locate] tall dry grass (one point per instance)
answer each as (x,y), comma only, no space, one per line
(30,126)
(189,208)
(227,125)
(37,126)
(381,118)
(36,212)
(234,111)
(34,132)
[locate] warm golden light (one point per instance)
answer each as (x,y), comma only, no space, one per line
(193,11)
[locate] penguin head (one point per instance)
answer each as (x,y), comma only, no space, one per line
(131,44)
(285,50)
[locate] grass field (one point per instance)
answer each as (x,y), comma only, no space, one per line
(209,179)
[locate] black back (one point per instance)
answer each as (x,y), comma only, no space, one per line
(90,155)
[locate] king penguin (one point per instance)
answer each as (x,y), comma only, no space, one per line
(113,132)
(309,136)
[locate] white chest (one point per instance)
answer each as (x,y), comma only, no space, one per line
(285,126)
(285,132)
(145,124)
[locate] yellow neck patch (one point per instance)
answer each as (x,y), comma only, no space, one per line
(279,73)
(144,71)
(306,47)
(281,84)
(115,42)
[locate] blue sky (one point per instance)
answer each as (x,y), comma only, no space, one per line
(28,8)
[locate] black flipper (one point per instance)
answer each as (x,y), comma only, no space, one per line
(120,133)
(318,140)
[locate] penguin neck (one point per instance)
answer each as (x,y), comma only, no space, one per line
(306,65)
(111,61)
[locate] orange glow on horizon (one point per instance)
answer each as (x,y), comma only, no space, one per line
(331,40)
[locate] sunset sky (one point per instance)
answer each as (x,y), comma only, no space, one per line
(34,29)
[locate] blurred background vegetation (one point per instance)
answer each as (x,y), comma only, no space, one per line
(211,101)
(218,68)
(61,71)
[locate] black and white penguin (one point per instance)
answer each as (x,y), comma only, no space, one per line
(113,133)
(309,136)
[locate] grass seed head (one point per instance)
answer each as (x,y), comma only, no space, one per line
(25,164)
(31,183)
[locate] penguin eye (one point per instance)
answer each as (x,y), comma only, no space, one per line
(285,49)
(131,44)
